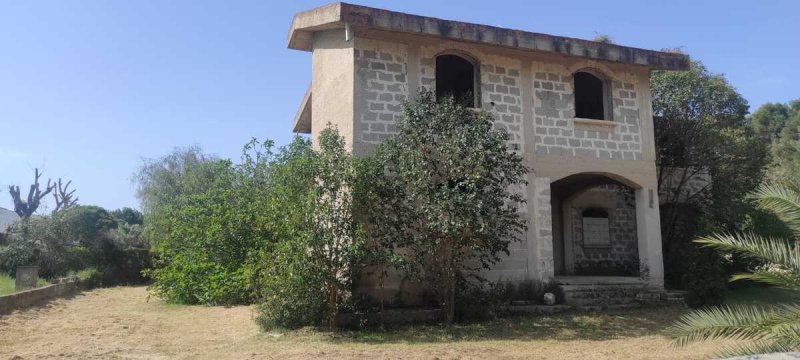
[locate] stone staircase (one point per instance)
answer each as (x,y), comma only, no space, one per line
(609,293)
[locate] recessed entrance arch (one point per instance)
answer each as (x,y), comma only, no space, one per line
(595,225)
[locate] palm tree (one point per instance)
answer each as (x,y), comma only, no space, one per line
(756,329)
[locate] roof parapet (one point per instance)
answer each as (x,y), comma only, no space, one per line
(335,15)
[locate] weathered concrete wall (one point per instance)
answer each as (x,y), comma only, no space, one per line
(23,299)
(332,84)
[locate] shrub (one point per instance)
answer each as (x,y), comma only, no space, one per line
(480,301)
(306,278)
(704,279)
(444,197)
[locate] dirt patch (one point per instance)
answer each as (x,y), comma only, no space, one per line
(124,322)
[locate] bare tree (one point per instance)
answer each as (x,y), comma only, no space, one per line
(27,208)
(64,196)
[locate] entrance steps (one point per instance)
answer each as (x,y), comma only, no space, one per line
(610,293)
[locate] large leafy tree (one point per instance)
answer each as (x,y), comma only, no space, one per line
(779,125)
(701,130)
(757,329)
(446,198)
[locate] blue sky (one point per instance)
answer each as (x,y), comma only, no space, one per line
(89,88)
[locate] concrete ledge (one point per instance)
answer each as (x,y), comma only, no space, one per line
(539,309)
(341,15)
(27,298)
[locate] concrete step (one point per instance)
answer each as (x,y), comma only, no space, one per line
(603,295)
(607,307)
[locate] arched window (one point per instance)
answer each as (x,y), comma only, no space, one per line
(455,76)
(596,232)
(590,97)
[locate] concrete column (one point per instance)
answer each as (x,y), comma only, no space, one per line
(648,230)
(540,231)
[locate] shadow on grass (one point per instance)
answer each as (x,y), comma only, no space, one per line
(561,327)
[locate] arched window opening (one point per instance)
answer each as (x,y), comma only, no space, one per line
(589,97)
(455,76)
(596,232)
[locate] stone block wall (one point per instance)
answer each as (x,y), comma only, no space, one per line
(622,253)
(557,132)
(501,95)
(381,88)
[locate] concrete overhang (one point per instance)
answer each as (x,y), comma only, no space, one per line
(302,119)
(336,15)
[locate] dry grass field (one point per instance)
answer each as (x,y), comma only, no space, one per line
(123,322)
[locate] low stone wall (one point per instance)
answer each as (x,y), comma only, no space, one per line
(23,299)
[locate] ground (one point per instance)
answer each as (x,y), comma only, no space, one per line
(124,322)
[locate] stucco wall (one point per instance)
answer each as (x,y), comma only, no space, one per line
(332,84)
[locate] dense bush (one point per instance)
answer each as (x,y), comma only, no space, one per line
(704,279)
(71,240)
(276,228)
(305,279)
(446,199)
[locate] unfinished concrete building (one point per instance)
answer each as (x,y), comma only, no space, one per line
(578,111)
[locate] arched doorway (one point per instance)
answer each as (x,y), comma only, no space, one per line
(594,226)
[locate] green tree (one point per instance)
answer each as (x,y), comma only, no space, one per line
(756,329)
(128,216)
(701,129)
(779,125)
(308,276)
(445,198)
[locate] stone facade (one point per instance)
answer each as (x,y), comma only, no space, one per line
(619,256)
(559,133)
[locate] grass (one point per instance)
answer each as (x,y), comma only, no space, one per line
(124,322)
(7,286)
(756,294)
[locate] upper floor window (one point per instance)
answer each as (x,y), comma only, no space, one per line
(590,97)
(456,77)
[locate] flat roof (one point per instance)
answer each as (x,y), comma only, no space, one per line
(336,15)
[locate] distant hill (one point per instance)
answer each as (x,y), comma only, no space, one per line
(7,217)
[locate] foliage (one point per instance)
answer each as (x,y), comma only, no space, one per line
(444,204)
(199,230)
(474,301)
(128,216)
(603,39)
(757,329)
(703,279)
(70,240)
(701,130)
(779,125)
(306,278)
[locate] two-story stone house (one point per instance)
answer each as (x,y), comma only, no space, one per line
(578,111)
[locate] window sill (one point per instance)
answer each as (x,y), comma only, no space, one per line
(601,125)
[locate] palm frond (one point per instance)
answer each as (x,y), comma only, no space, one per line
(754,347)
(784,280)
(756,246)
(783,201)
(730,322)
